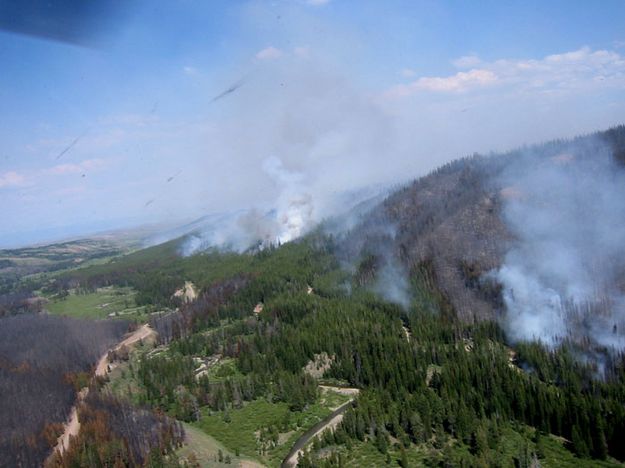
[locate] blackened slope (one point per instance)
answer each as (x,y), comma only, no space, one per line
(115,433)
(449,222)
(39,356)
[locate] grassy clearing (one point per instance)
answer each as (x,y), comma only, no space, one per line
(241,433)
(121,382)
(557,456)
(332,400)
(104,303)
(224,369)
(204,449)
(551,450)
(365,455)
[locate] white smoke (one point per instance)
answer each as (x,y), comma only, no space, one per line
(302,143)
(289,217)
(391,282)
(294,204)
(235,232)
(292,215)
(563,276)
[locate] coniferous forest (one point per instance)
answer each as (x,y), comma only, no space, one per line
(276,339)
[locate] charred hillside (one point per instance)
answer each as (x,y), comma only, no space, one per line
(43,359)
(450,226)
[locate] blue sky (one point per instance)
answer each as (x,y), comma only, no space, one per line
(342,94)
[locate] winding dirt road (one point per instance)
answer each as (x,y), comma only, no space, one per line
(72,427)
(139,334)
(329,422)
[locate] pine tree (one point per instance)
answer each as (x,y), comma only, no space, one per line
(579,444)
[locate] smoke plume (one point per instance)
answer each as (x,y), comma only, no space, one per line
(563,276)
(289,217)
(303,143)
(294,204)
(391,282)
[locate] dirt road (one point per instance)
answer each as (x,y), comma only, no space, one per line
(139,334)
(72,427)
(329,422)
(342,390)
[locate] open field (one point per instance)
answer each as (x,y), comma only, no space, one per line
(225,369)
(242,432)
(104,303)
(73,250)
(204,449)
(55,257)
(121,381)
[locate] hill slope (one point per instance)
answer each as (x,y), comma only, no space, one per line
(450,225)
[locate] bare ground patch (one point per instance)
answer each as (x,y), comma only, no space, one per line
(319,365)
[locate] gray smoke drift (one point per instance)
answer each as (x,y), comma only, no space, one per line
(563,278)
(299,142)
(369,252)
(289,217)
(236,231)
(391,282)
(391,278)
(294,204)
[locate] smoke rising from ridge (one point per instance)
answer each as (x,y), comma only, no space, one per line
(563,276)
(294,205)
(289,218)
(347,98)
(303,143)
(305,129)
(391,282)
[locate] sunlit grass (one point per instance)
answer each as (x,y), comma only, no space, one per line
(240,433)
(104,303)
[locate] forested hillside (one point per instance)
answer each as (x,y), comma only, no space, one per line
(433,389)
(450,222)
(398,314)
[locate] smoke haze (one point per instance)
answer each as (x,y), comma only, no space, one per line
(178,115)
(563,276)
(313,146)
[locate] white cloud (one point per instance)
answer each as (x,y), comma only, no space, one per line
(574,56)
(574,70)
(553,74)
(63,169)
(408,73)
(461,81)
(11,179)
(87,165)
(269,53)
(468,61)
(189,70)
(317,2)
